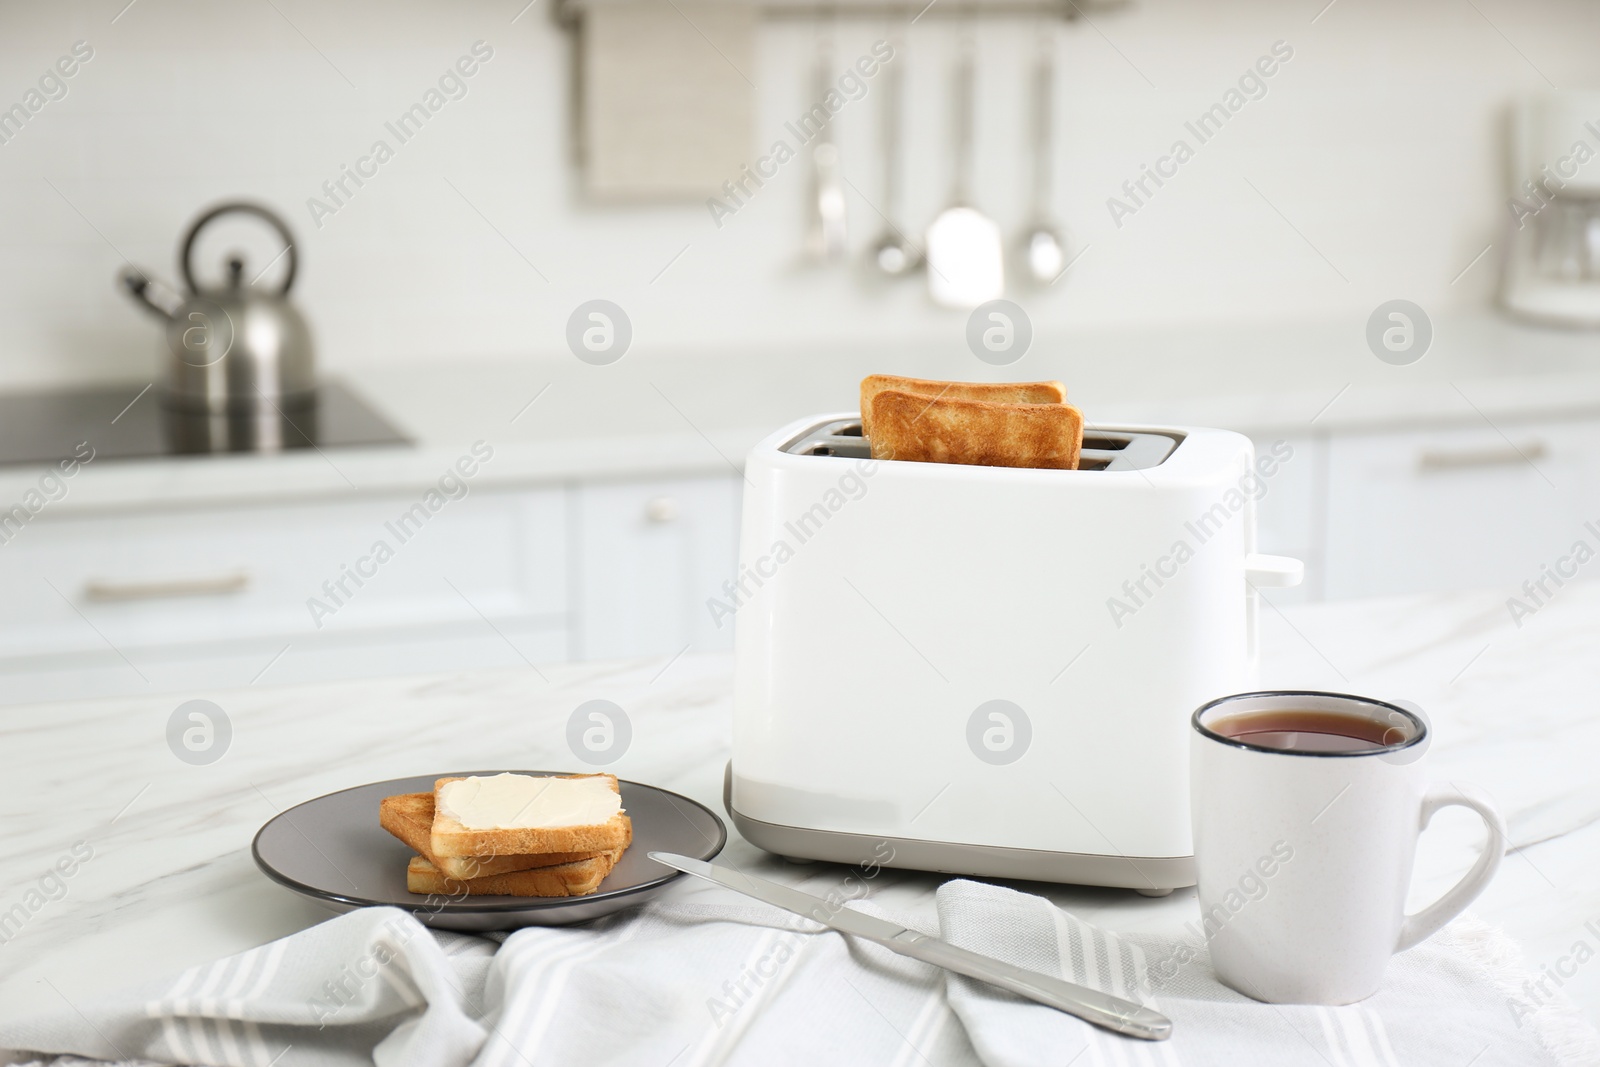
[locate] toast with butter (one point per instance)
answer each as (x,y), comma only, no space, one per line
(409,816)
(994,392)
(910,426)
(575,879)
(520,814)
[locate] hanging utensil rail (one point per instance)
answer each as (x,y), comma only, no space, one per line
(570,12)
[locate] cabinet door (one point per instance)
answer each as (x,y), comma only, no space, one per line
(649,557)
(159,579)
(161,600)
(1460,508)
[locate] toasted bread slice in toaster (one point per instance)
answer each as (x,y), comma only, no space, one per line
(409,816)
(995,392)
(908,426)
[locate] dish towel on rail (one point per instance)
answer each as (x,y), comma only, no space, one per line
(692,984)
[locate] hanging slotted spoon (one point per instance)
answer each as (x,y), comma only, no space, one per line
(966,259)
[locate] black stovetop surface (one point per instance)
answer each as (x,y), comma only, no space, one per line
(131,422)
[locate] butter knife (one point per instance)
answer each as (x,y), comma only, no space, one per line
(1090,1005)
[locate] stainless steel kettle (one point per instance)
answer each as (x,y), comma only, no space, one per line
(238,348)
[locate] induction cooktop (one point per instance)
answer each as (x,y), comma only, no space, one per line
(131,422)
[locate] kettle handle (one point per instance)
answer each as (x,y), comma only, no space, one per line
(238,207)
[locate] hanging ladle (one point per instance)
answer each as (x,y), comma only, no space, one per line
(1044,250)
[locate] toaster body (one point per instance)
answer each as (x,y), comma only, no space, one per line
(984,670)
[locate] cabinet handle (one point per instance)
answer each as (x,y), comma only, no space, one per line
(215,585)
(661,509)
(1430,459)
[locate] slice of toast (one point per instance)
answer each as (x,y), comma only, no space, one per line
(908,426)
(409,816)
(574,879)
(994,392)
(450,839)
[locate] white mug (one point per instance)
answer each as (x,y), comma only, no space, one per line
(1304,857)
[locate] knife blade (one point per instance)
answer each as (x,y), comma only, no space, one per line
(1090,1005)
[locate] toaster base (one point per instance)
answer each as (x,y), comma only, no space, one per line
(1149,875)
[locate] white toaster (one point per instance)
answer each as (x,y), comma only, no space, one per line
(989,670)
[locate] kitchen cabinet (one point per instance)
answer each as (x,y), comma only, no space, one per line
(649,557)
(1447,507)
(159,580)
(216,597)
(219,597)
(1459,507)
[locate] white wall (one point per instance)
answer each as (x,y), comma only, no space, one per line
(1380,142)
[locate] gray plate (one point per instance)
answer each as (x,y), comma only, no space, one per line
(332,850)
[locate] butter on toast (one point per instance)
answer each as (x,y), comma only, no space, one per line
(409,816)
(909,426)
(575,879)
(449,839)
(994,392)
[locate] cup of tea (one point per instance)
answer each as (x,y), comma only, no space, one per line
(1307,807)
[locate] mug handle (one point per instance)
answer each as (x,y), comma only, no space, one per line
(1426,922)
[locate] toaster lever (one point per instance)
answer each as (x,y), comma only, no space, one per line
(1273,572)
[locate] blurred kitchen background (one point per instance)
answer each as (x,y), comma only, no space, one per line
(1376,163)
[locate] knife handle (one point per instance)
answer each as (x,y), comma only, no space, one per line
(1090,1005)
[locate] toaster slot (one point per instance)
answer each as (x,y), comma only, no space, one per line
(841,437)
(849,448)
(1105,448)
(1126,450)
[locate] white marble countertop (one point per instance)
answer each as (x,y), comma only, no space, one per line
(552,418)
(171,882)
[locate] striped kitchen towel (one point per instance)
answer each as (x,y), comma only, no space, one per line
(1459,998)
(690,984)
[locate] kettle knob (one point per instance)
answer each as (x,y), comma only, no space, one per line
(236,264)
